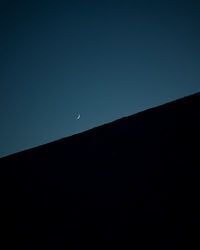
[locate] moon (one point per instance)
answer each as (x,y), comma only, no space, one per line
(78,117)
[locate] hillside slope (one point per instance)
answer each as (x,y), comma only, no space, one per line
(130,183)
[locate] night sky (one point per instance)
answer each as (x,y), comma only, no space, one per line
(102,59)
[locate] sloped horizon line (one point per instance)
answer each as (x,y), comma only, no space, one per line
(102,125)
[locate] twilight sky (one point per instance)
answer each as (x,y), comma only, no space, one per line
(104,59)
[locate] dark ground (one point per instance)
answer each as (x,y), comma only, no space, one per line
(130,184)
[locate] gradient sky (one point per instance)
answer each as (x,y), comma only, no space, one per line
(103,59)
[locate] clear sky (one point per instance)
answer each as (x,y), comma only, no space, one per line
(104,59)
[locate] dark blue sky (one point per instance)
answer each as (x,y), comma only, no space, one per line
(102,59)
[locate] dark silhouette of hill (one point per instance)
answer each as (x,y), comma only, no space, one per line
(130,184)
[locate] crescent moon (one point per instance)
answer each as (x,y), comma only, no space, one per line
(78,117)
